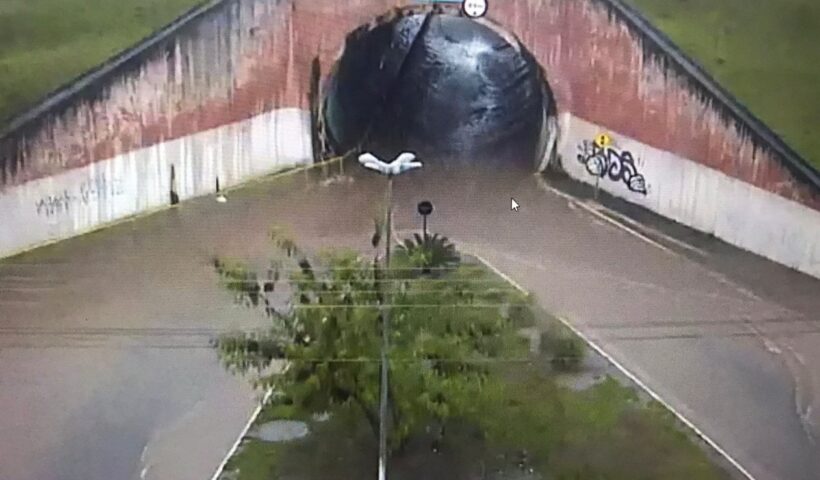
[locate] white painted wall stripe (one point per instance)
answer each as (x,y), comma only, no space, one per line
(705,199)
(83,199)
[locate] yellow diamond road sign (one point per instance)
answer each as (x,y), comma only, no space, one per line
(603,140)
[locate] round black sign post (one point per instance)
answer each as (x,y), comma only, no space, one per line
(425,208)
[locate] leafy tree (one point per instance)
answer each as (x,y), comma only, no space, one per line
(323,346)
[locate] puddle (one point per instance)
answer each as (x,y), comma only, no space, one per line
(280,431)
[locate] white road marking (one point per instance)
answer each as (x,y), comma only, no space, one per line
(242,434)
(634,223)
(712,443)
(594,210)
(574,201)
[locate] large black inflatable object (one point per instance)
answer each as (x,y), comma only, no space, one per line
(451,89)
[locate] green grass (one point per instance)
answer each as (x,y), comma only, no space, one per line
(45,43)
(604,431)
(763,51)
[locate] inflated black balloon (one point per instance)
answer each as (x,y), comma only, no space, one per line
(446,87)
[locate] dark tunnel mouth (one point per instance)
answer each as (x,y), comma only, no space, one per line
(538,133)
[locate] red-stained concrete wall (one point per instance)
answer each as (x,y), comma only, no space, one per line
(604,72)
(230,63)
(250,56)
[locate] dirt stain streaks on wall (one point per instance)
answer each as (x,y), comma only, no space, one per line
(196,79)
(245,57)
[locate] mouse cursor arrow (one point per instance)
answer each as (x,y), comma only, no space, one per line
(514,206)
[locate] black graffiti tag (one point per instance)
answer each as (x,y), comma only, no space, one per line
(51,205)
(99,188)
(619,166)
(91,190)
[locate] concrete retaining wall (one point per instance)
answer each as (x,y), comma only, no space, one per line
(236,60)
(213,95)
(221,91)
(605,68)
(705,160)
(82,199)
(693,194)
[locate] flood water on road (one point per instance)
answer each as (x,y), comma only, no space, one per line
(106,370)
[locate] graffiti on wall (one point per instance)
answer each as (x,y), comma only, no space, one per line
(603,160)
(87,192)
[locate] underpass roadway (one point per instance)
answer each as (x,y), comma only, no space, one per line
(106,369)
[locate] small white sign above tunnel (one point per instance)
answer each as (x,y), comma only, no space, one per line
(474,8)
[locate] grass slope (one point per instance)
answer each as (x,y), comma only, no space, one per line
(45,43)
(766,52)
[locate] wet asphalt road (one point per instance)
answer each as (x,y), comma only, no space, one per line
(106,373)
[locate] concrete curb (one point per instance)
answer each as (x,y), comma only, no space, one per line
(588,340)
(596,213)
(242,434)
(655,396)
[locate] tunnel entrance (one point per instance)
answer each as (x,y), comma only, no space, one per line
(454,90)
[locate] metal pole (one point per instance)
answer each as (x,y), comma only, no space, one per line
(597,179)
(389,219)
(385,339)
(424,222)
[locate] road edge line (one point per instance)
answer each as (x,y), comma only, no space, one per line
(634,378)
(258,410)
(579,203)
(654,231)
(221,468)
